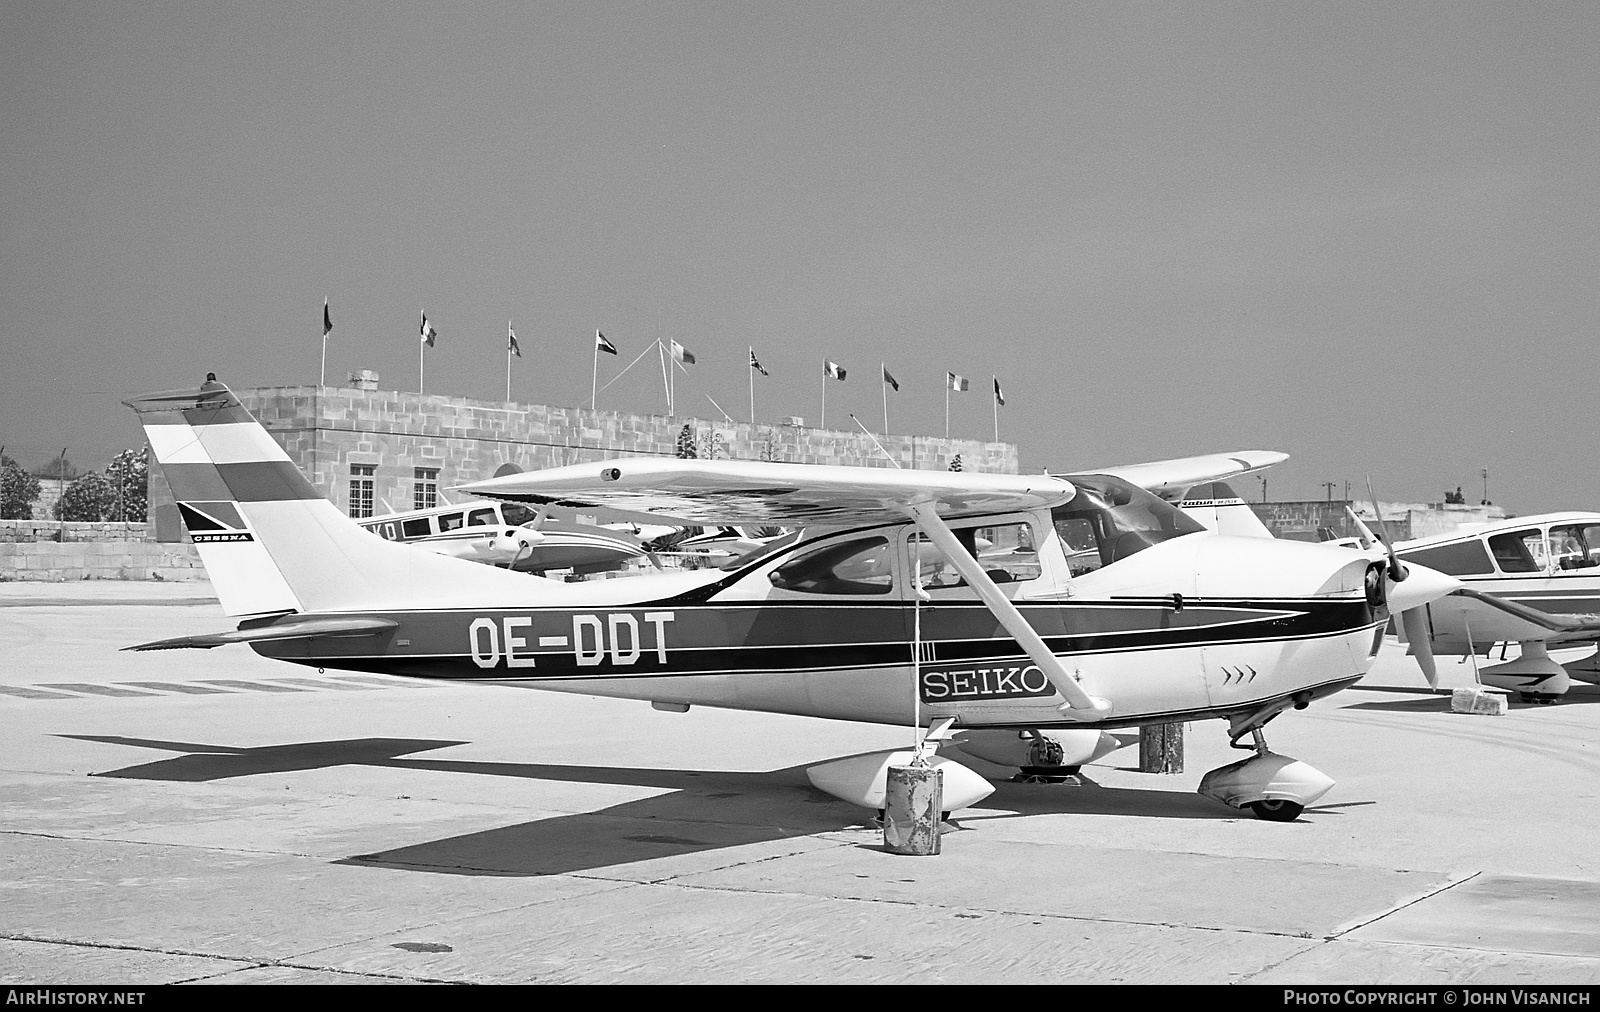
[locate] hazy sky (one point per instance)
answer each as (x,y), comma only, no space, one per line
(1363,234)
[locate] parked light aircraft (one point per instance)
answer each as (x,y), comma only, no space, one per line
(1028,666)
(511,536)
(1533,580)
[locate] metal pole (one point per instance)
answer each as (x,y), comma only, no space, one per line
(594,372)
(752,369)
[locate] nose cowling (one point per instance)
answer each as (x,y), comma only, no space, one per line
(1261,567)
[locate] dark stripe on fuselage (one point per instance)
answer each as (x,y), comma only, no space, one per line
(701,639)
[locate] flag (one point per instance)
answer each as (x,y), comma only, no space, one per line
(956,382)
(602,344)
(999,397)
(327,320)
(511,336)
(756,365)
(891,380)
(833,369)
(682,354)
(429,335)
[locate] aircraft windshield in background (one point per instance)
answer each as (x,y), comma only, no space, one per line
(1073,605)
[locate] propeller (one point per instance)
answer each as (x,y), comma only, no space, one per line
(1397,572)
(1408,603)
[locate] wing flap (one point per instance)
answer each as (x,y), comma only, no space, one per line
(291,628)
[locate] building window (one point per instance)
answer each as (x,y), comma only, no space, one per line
(361,489)
(425,490)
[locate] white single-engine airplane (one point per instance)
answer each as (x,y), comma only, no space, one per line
(1533,580)
(511,536)
(1027,664)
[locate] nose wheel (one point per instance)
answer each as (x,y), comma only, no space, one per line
(1276,810)
(1275,788)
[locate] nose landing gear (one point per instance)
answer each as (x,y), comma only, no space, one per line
(1274,787)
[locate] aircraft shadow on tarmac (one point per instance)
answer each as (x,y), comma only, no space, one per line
(701,810)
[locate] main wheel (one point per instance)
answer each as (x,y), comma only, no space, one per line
(1275,810)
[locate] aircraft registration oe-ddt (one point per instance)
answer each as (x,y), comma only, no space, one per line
(1096,604)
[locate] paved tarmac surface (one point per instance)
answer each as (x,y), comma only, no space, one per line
(214,817)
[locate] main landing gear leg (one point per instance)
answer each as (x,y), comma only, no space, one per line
(1274,787)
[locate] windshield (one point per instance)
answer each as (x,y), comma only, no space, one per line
(1110,519)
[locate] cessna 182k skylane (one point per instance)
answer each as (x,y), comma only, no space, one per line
(1026,667)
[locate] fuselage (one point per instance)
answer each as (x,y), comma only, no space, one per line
(1167,624)
(1550,562)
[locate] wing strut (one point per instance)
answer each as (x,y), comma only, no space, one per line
(1080,705)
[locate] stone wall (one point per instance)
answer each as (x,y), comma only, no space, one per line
(31,531)
(325,430)
(82,560)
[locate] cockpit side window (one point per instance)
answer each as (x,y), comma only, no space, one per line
(1518,551)
(1575,546)
(863,566)
(516,514)
(1110,519)
(482,518)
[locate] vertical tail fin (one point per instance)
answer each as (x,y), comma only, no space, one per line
(1216,505)
(269,541)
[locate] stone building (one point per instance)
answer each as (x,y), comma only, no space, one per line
(1324,520)
(374,451)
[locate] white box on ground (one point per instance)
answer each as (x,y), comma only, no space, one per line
(1478,700)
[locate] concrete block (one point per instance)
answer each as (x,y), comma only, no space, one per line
(1478,700)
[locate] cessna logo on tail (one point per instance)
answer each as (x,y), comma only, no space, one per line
(1002,681)
(214,521)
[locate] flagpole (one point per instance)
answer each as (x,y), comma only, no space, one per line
(996,395)
(661,360)
(822,423)
(322,380)
(422,365)
(508,361)
(947,382)
(672,383)
(594,373)
(752,384)
(883,388)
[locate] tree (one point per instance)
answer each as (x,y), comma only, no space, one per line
(129,474)
(19,490)
(91,498)
(686,448)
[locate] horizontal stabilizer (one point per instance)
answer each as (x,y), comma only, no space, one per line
(291,627)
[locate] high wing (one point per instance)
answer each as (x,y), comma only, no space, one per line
(1172,479)
(730,492)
